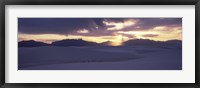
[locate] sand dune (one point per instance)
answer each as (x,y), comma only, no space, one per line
(100,58)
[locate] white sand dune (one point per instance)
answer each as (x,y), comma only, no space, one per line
(100,58)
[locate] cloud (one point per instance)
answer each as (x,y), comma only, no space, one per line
(83,31)
(54,25)
(119,25)
(150,35)
(150,23)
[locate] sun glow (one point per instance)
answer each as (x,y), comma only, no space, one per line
(117,41)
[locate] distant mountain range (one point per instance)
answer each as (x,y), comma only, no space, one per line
(80,42)
(73,42)
(31,43)
(63,43)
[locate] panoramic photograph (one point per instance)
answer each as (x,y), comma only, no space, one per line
(100,43)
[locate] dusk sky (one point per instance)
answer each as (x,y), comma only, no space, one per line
(116,30)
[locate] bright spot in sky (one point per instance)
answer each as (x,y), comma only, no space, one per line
(120,25)
(83,31)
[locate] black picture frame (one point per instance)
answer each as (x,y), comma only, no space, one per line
(98,2)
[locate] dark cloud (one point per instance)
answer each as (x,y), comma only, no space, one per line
(53,25)
(95,26)
(61,25)
(153,22)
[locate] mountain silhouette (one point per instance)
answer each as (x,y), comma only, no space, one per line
(73,42)
(106,43)
(31,43)
(80,42)
(140,42)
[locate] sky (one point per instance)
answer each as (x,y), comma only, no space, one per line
(115,30)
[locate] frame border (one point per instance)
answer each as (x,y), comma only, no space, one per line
(98,2)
